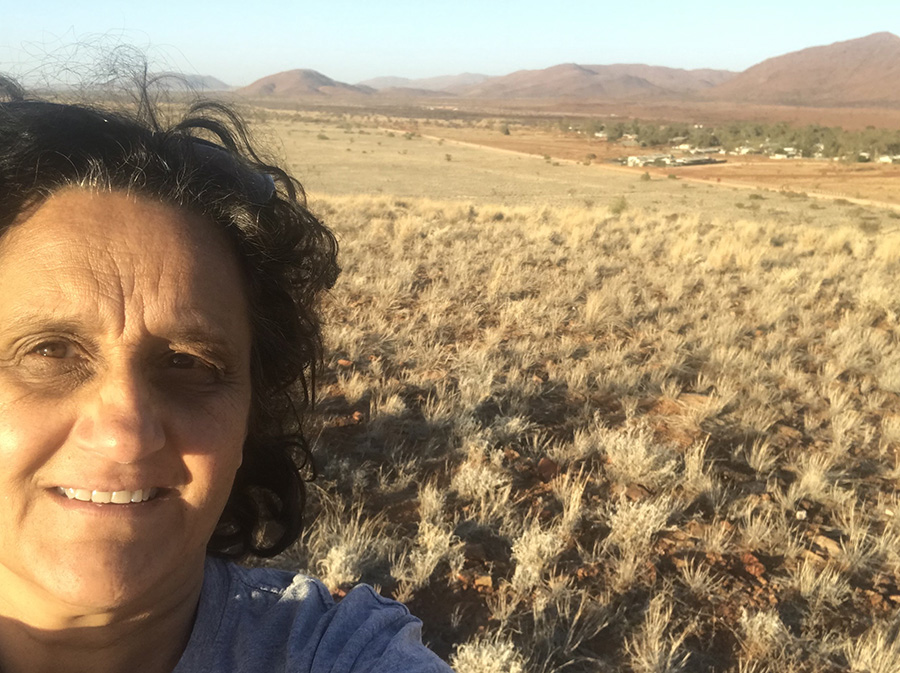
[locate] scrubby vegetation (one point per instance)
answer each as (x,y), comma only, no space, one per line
(590,439)
(810,140)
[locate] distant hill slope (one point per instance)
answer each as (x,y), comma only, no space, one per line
(443,83)
(864,71)
(598,81)
(671,79)
(180,81)
(408,92)
(300,83)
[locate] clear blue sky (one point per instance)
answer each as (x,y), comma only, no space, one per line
(353,40)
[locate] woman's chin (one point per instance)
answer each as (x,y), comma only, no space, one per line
(114,577)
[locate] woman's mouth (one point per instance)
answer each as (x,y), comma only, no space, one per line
(108,497)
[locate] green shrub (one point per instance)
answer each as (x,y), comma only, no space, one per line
(618,206)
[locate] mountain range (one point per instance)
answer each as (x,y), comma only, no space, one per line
(859,72)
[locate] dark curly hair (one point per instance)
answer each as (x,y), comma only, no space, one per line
(204,163)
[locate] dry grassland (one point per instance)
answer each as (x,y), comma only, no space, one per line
(628,427)
(865,181)
(411,169)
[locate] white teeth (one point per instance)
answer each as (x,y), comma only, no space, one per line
(104,497)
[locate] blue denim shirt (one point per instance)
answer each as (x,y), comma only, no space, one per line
(269,621)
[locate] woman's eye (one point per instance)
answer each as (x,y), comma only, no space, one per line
(54,349)
(197,369)
(182,361)
(55,362)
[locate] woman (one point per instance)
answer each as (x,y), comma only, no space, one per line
(158,294)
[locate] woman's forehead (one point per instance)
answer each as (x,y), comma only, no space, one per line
(82,251)
(87,215)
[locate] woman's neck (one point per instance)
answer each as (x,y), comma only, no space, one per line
(40,635)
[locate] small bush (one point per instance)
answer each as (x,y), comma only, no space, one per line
(618,206)
(869,225)
(448,157)
(645,177)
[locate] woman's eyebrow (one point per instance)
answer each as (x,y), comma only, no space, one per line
(213,339)
(190,331)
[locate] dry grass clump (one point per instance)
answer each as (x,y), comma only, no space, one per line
(488,655)
(578,440)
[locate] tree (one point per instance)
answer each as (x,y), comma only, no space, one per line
(616,131)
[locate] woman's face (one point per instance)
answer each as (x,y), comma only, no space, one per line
(124,398)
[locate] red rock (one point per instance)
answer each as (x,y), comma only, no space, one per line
(547,469)
(812,557)
(827,545)
(484,582)
(635,492)
(752,565)
(511,454)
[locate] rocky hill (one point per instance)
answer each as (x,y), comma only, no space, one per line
(865,71)
(300,83)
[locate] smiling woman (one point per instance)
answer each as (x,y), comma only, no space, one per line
(104,401)
(158,332)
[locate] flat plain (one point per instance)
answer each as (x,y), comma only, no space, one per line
(584,419)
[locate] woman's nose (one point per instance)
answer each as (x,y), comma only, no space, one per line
(117,417)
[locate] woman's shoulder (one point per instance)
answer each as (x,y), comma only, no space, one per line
(265,619)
